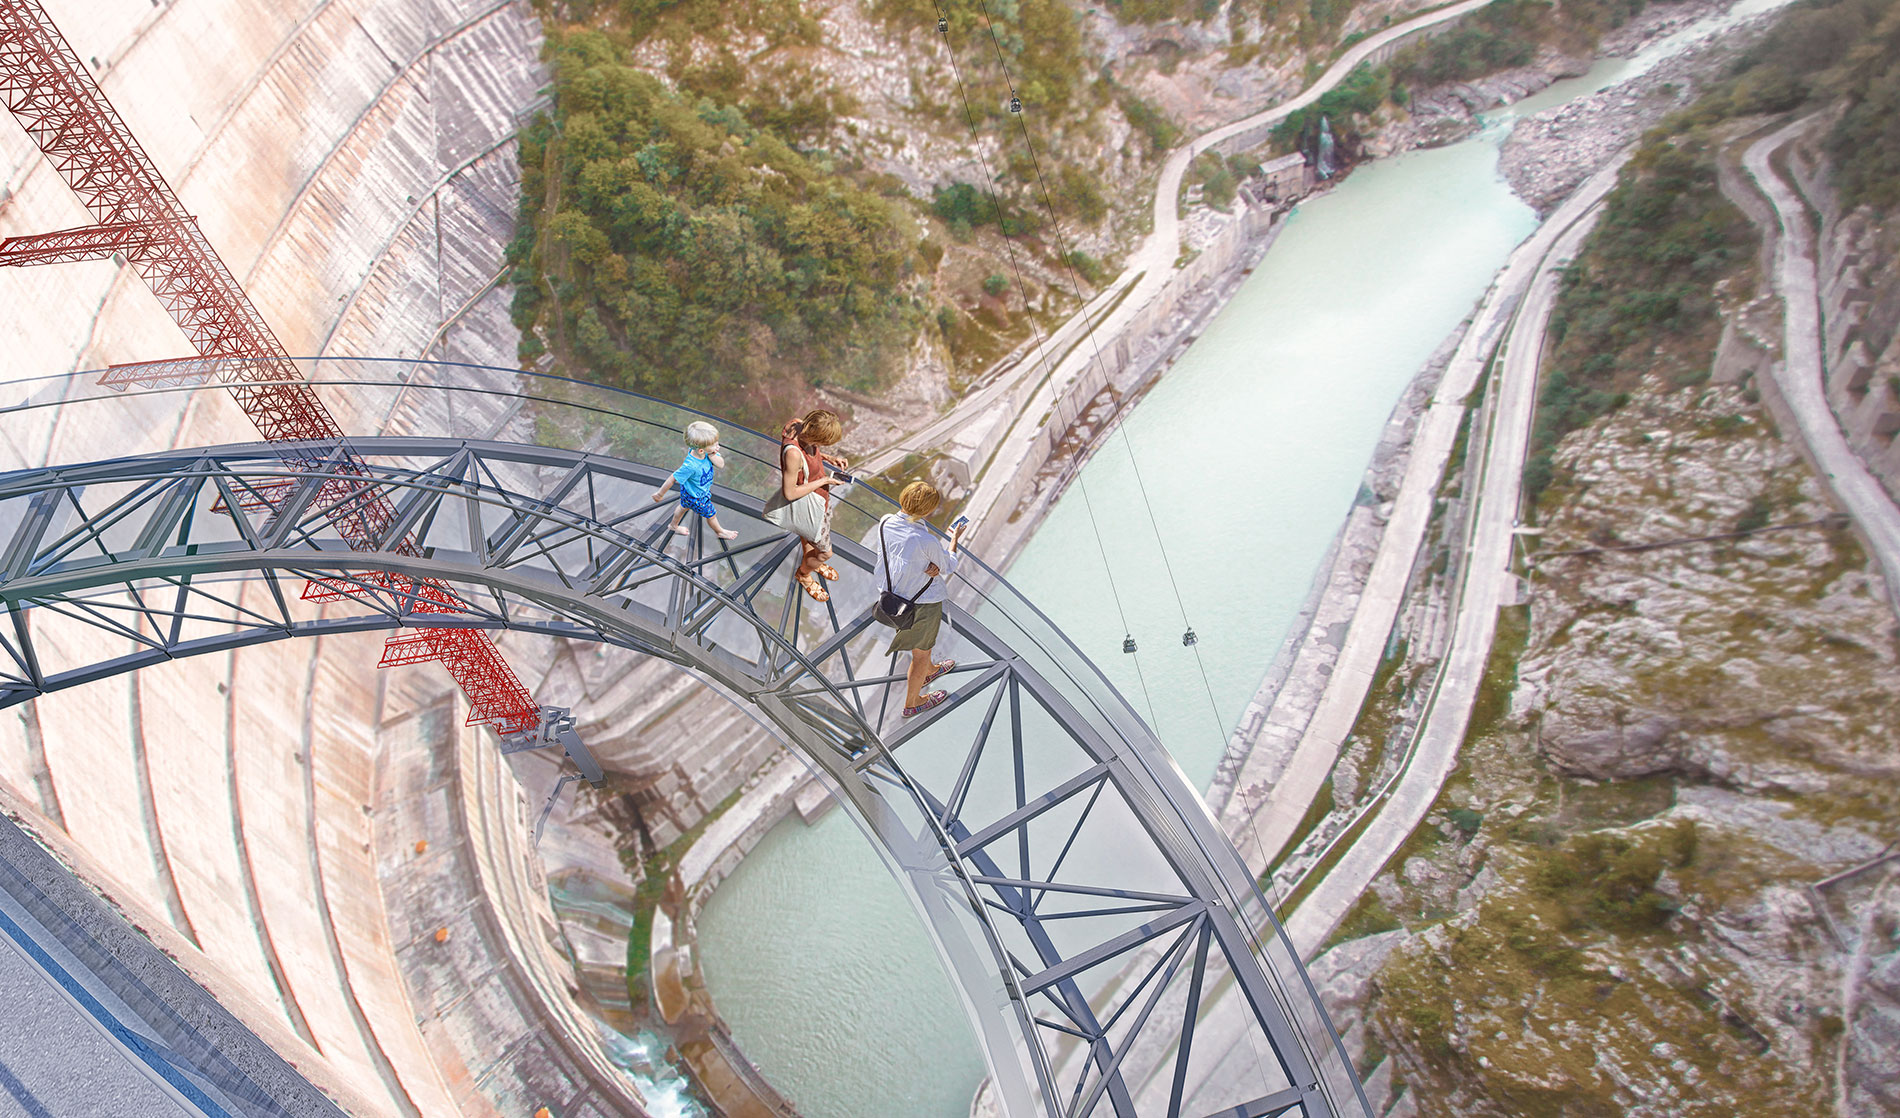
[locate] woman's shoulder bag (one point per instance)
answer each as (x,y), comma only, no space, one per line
(892,608)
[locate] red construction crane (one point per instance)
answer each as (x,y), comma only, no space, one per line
(137,216)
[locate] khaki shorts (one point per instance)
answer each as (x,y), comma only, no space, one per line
(922,632)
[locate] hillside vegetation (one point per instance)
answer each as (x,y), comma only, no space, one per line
(1642,296)
(730,203)
(698,222)
(1509,33)
(1500,36)
(1610,909)
(681,247)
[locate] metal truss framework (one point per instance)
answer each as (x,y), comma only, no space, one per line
(1086,905)
(139,218)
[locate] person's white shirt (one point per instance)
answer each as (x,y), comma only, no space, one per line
(913,547)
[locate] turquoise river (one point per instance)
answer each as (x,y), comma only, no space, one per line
(1251,449)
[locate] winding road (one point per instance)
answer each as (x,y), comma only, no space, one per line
(1801,381)
(1488,584)
(1145,275)
(1800,375)
(1531,276)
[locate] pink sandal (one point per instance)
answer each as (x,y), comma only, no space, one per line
(929,700)
(939,669)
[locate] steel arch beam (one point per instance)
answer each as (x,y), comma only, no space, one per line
(1075,890)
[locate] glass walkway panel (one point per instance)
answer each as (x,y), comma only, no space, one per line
(1112,951)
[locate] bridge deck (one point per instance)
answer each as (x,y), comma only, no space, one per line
(1084,903)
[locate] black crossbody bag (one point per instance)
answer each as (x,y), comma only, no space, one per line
(892,608)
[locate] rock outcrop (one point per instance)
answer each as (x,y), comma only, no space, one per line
(1548,155)
(1656,886)
(1444,114)
(1765,662)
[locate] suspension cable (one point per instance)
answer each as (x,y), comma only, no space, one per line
(1041,344)
(1188,636)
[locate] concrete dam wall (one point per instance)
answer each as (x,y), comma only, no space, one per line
(324,845)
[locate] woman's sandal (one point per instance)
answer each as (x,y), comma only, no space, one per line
(939,669)
(928,701)
(828,572)
(818,593)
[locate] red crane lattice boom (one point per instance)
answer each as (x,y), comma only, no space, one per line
(138,217)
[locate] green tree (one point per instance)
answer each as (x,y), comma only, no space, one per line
(671,245)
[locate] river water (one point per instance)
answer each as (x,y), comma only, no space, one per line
(1251,450)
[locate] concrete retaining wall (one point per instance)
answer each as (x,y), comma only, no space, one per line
(354,162)
(1127,360)
(1860,316)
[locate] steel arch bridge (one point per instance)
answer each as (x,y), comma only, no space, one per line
(1112,952)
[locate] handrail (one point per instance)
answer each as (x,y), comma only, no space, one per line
(1183,818)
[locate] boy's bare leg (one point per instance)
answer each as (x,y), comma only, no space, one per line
(721,532)
(679,514)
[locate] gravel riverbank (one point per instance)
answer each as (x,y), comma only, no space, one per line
(1549,154)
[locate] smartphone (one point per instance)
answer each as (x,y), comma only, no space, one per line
(843,478)
(959,524)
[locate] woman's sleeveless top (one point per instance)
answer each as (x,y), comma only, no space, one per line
(814,463)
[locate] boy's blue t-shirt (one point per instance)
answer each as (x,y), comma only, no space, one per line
(695,477)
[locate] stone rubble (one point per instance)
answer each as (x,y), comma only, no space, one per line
(1550,154)
(1698,665)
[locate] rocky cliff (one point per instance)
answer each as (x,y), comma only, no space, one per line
(1662,880)
(1615,906)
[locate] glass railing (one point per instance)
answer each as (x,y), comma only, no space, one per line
(66,419)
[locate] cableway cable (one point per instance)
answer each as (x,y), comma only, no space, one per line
(1189,639)
(1022,289)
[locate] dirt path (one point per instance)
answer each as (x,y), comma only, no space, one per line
(1800,375)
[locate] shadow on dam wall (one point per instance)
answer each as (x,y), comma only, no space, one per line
(355,164)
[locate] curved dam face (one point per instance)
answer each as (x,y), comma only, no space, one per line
(328,848)
(324,846)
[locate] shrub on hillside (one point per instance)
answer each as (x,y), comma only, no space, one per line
(1497,37)
(669,245)
(1347,106)
(1639,296)
(1151,123)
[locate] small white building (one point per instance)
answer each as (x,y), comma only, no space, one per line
(1286,178)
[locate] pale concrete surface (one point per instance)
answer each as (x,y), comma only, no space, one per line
(100,1021)
(55,1059)
(1487,579)
(491,995)
(1799,374)
(353,160)
(1282,787)
(205,863)
(1153,265)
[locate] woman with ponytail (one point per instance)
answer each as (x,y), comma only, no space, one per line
(802,462)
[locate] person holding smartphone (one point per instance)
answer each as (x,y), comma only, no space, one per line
(918,557)
(802,463)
